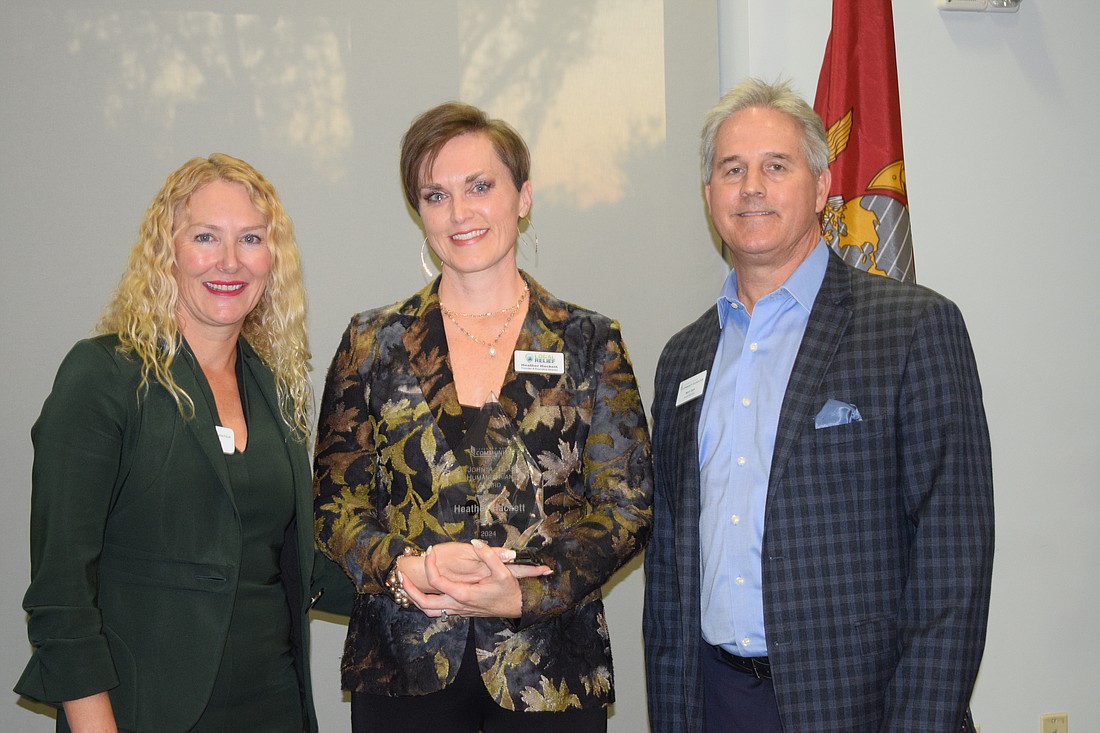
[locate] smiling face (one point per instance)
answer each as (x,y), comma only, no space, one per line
(222,260)
(762,196)
(471,208)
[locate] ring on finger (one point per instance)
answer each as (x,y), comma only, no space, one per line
(443,614)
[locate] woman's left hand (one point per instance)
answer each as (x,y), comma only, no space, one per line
(497,595)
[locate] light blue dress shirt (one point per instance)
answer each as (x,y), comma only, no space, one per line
(737,428)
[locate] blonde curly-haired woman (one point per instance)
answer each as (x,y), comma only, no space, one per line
(171,524)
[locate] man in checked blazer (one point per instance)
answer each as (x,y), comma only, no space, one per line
(823,513)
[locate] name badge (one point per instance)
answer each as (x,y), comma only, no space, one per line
(691,388)
(225,437)
(539,362)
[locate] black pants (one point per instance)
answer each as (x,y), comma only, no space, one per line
(736,702)
(464,706)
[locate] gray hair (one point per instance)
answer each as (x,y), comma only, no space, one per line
(778,96)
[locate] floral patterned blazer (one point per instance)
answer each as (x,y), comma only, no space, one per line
(386,467)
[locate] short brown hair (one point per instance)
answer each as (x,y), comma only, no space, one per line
(433,129)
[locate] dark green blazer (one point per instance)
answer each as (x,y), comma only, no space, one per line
(136,543)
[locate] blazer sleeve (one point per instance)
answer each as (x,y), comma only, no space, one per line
(345,501)
(618,491)
(78,450)
(331,590)
(947,486)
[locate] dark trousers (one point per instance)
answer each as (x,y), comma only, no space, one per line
(464,706)
(735,701)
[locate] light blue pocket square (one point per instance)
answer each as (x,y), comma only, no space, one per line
(836,413)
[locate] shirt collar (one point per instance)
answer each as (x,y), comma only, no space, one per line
(802,285)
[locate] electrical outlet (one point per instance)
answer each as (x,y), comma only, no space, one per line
(1054,723)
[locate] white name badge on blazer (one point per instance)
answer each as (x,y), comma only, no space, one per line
(539,362)
(691,388)
(225,437)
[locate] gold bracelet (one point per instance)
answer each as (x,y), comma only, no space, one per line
(394,583)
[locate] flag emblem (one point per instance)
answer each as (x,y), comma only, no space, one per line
(866,217)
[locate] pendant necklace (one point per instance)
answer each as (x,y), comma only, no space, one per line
(512,311)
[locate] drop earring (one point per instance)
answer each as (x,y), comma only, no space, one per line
(532,236)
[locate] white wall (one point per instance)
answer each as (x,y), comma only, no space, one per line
(999,119)
(100,99)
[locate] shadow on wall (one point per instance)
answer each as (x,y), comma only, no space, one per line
(290,74)
(286,72)
(587,90)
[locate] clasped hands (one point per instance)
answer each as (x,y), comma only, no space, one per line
(466,579)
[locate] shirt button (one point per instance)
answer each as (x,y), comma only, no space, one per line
(754,346)
(746,401)
(735,519)
(740,460)
(740,580)
(745,641)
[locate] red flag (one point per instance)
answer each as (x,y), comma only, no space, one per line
(867,218)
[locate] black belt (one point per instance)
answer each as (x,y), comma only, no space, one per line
(758,667)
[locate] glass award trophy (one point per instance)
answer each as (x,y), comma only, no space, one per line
(505,483)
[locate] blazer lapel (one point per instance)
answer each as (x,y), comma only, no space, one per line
(542,331)
(299,460)
(699,359)
(430,361)
(185,371)
(828,322)
(697,356)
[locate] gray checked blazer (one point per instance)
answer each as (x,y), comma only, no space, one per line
(878,537)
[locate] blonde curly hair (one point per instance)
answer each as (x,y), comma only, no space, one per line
(142,310)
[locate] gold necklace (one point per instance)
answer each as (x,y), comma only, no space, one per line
(512,311)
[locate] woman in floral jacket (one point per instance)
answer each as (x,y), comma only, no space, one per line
(448,633)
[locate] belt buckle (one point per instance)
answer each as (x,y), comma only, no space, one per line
(758,670)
